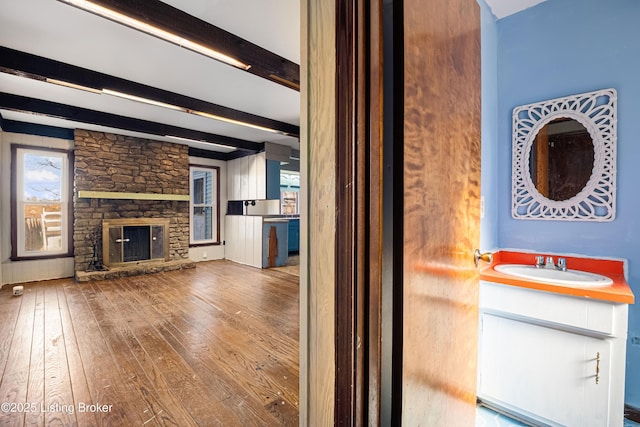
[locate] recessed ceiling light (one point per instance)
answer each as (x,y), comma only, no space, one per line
(221,146)
(143,100)
(72,85)
(235,122)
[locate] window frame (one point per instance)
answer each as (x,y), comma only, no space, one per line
(215,198)
(18,252)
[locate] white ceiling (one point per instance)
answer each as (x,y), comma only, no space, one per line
(64,33)
(502,8)
(55,30)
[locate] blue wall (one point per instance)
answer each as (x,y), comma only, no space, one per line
(489,40)
(565,47)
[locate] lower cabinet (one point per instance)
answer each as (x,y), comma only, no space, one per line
(274,243)
(243,239)
(247,239)
(294,235)
(540,360)
(553,376)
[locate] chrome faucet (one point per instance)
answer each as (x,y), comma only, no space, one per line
(549,263)
(542,262)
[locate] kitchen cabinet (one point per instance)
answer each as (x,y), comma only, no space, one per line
(294,235)
(247,239)
(253,178)
(552,359)
(243,243)
(232,180)
(273,180)
(275,232)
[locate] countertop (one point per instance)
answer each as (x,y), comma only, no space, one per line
(274,219)
(276,216)
(618,292)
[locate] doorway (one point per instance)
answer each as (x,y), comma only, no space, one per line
(436,106)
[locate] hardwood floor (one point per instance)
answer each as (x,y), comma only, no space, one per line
(214,345)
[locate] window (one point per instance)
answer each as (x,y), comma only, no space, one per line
(204,206)
(41,202)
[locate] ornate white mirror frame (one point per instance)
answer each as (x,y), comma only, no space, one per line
(596,111)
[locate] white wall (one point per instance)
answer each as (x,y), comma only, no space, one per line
(205,253)
(24,271)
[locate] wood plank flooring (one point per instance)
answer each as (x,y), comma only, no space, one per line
(212,346)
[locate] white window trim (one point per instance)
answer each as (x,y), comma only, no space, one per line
(215,226)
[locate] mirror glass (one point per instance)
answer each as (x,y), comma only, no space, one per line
(561,159)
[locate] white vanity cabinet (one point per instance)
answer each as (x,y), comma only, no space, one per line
(552,359)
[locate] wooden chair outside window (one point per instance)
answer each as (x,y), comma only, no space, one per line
(51,229)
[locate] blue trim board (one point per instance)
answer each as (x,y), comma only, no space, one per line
(36,129)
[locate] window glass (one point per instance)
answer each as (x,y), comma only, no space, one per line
(41,206)
(204,210)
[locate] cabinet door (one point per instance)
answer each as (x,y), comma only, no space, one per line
(243,173)
(254,241)
(546,374)
(260,176)
(252,177)
(294,235)
(273,179)
(231,194)
(231,238)
(235,180)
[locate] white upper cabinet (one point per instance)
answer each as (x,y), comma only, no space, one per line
(247,178)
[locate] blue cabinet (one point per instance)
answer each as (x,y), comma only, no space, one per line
(275,233)
(273,180)
(294,235)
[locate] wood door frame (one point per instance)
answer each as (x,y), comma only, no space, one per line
(360,151)
(341,218)
(359,179)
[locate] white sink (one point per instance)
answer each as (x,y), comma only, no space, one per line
(552,276)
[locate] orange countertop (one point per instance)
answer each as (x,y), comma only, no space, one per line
(619,291)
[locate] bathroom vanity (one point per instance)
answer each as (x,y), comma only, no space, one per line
(553,353)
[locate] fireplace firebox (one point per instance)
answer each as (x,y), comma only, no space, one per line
(134,240)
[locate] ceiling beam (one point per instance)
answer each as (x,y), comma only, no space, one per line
(216,155)
(40,68)
(84,115)
(14,126)
(262,62)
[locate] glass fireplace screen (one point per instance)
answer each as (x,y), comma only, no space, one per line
(135,240)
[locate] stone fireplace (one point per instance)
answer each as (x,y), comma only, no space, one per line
(131,185)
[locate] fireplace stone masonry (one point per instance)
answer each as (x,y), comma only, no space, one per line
(116,163)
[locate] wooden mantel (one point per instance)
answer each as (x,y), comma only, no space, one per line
(131,196)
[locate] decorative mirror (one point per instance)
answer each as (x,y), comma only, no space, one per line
(564,158)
